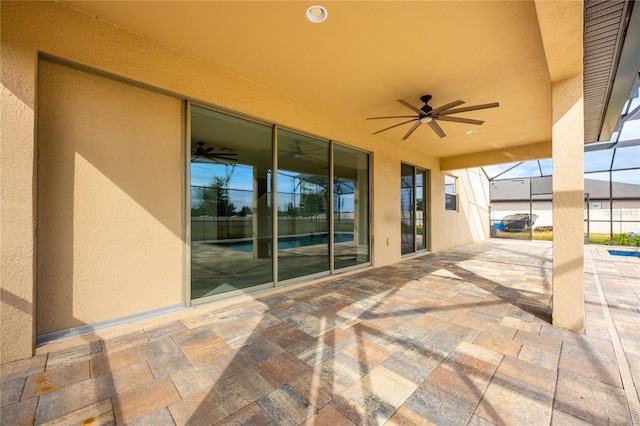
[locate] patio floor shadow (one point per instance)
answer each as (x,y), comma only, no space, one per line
(459,337)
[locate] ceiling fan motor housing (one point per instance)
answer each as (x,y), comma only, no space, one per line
(426,108)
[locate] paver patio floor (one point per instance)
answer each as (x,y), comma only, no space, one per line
(453,338)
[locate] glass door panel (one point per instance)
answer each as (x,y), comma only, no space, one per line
(350,207)
(407,209)
(230,208)
(422,211)
(419,212)
(302,193)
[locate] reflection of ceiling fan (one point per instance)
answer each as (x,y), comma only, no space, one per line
(429,115)
(223,155)
(311,153)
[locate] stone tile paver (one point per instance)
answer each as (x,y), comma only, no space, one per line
(100,413)
(144,399)
(285,406)
(458,337)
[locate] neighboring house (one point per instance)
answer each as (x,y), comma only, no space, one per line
(512,196)
(158,155)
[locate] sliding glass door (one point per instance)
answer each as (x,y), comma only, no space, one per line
(303,219)
(318,195)
(414,184)
(350,207)
(230,207)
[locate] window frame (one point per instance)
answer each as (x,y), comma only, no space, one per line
(454,194)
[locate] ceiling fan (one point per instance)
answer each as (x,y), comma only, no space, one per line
(223,155)
(430,115)
(296,151)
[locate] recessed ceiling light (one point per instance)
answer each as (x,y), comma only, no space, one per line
(470,132)
(317,14)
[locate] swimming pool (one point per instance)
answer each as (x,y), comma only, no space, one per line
(289,242)
(624,253)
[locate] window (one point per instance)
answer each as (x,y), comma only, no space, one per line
(450,193)
(257,223)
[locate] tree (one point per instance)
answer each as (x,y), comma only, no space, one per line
(214,199)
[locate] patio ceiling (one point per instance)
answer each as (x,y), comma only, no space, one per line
(368,54)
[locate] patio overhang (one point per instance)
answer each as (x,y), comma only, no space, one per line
(365,56)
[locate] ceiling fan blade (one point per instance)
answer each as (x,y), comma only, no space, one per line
(460,120)
(446,107)
(208,150)
(396,125)
(470,108)
(393,116)
(436,128)
(411,107)
(220,157)
(411,130)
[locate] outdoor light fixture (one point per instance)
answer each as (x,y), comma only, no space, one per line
(317,14)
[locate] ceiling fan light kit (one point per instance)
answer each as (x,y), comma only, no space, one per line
(429,115)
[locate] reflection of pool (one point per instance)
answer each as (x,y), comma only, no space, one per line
(289,242)
(624,253)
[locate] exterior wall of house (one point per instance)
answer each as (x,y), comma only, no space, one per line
(109,199)
(471,221)
(117,257)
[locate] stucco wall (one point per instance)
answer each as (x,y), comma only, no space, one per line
(109,199)
(568,204)
(471,221)
(56,30)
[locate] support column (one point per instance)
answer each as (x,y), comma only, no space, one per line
(568,204)
(261,223)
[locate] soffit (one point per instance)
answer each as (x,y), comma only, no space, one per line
(605,29)
(368,54)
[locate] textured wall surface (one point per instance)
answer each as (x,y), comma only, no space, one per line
(109,199)
(568,204)
(51,28)
(471,221)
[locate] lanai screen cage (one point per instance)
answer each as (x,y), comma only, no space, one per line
(612,188)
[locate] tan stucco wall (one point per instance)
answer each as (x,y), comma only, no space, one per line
(471,221)
(48,27)
(568,204)
(533,151)
(109,199)
(17,203)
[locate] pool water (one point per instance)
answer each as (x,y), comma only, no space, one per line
(289,242)
(624,253)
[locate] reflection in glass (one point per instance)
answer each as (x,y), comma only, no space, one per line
(421,210)
(407,209)
(350,207)
(230,209)
(303,219)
